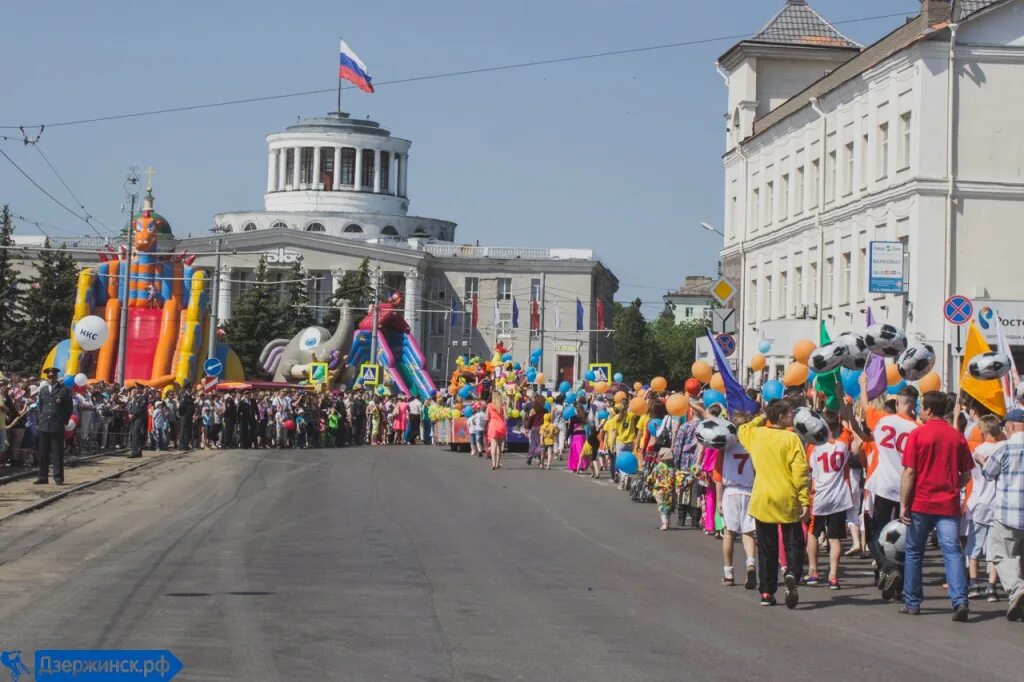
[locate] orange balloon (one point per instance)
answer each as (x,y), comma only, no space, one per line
(638,406)
(796,374)
(701,371)
(601,387)
(620,396)
(892,375)
(717,382)
(637,386)
(757,362)
(930,382)
(659,384)
(540,377)
(677,404)
(802,350)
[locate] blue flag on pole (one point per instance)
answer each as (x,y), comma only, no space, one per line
(455,312)
(579,315)
(735,396)
(515,313)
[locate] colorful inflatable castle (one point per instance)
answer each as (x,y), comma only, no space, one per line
(398,353)
(168,302)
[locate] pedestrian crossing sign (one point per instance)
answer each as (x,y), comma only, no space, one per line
(602,371)
(318,373)
(369,374)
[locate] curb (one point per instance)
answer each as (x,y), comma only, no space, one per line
(68,464)
(39,504)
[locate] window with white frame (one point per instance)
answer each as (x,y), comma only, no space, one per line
(784,293)
(768,297)
(904,150)
(798,192)
(862,275)
(826,283)
(798,284)
(812,281)
(504,288)
(812,187)
(830,177)
(846,284)
(470,292)
(864,161)
(769,202)
(755,208)
(505,323)
(752,299)
(784,196)
(848,176)
(436,360)
(883,150)
(733,216)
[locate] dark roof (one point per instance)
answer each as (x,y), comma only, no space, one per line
(798,24)
(972,6)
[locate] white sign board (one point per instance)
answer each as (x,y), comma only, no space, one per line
(723,321)
(282,256)
(885,268)
(1008,315)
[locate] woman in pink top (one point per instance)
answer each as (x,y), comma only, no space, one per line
(497,429)
(401,419)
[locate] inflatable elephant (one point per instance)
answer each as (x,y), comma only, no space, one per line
(288,360)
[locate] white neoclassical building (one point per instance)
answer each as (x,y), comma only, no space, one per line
(913,140)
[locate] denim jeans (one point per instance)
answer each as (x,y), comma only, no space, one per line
(947,528)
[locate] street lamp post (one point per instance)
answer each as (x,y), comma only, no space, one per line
(131,184)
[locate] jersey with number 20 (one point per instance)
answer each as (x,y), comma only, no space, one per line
(890,432)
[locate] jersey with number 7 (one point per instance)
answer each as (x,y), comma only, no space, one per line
(890,432)
(735,468)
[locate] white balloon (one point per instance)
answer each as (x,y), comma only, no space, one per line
(70,426)
(81,379)
(91,332)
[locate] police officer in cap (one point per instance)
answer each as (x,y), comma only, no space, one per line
(138,412)
(55,407)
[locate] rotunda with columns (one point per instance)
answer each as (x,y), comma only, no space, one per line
(340,176)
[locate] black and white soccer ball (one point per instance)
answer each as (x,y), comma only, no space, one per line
(826,358)
(885,340)
(810,426)
(856,356)
(715,433)
(916,361)
(893,540)
(993,365)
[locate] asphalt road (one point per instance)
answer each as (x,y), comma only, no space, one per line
(422,564)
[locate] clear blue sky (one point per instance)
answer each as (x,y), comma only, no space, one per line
(618,154)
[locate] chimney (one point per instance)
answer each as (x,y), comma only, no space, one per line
(935,11)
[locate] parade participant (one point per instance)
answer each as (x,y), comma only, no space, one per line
(734,482)
(663,482)
(477,424)
(980,510)
(54,408)
(186,416)
(1006,536)
(830,498)
(548,434)
(497,429)
(412,431)
(532,422)
(138,412)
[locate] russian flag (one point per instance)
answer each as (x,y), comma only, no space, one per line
(352,69)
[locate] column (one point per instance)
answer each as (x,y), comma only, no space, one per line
(271,171)
(403,168)
(337,275)
(224,296)
(376,171)
(315,175)
(393,175)
(337,169)
(296,166)
(358,184)
(281,179)
(413,301)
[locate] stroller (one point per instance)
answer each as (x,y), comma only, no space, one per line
(640,489)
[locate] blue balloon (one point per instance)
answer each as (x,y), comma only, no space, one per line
(465,391)
(653,426)
(764,346)
(711,396)
(468,412)
(602,415)
(626,463)
(506,357)
(570,398)
(851,382)
(517,366)
(569,412)
(811,375)
(564,387)
(617,377)
(69,381)
(589,376)
(893,390)
(531,375)
(536,352)
(772,390)
(547,406)
(647,387)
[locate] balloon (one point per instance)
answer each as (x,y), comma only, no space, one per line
(692,387)
(72,424)
(465,391)
(892,375)
(757,362)
(638,406)
(517,367)
(701,371)
(540,377)
(717,382)
(514,413)
(626,463)
(569,412)
(653,426)
(564,387)
(637,385)
(764,346)
(531,375)
(617,377)
(659,384)
(602,415)
(288,424)
(711,397)
(802,351)
(930,382)
(69,381)
(811,376)
(467,412)
(896,388)
(91,332)
(81,379)
(589,376)
(570,398)
(507,357)
(851,382)
(677,404)
(620,396)
(547,406)
(796,374)
(601,387)
(772,390)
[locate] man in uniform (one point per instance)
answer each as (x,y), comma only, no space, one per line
(138,412)
(55,407)
(186,413)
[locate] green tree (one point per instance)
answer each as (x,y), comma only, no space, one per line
(10,340)
(675,346)
(259,316)
(45,307)
(296,299)
(633,350)
(354,287)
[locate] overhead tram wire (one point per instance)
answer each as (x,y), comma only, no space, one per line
(43,190)
(413,79)
(88,216)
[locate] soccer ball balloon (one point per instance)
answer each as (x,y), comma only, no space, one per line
(826,358)
(893,540)
(715,433)
(885,340)
(992,365)
(916,361)
(810,426)
(856,356)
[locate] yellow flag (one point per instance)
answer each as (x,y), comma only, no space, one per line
(989,392)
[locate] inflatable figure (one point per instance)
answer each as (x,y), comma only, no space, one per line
(289,359)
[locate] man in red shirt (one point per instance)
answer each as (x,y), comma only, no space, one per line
(937,464)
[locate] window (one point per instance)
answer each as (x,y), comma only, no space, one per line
(315,227)
(245,281)
(769,203)
(306,166)
(420,232)
(830,177)
(798,284)
(864,161)
(784,196)
(883,150)
(249,227)
(289,166)
(904,151)
(369,157)
(385,171)
(784,293)
(390,231)
(731,223)
(435,361)
(505,324)
(798,194)
(471,290)
(755,208)
(752,299)
(353,229)
(327,167)
(848,178)
(535,289)
(862,275)
(279,225)
(812,189)
(504,288)
(688,311)
(826,283)
(348,166)
(768,297)
(846,290)
(812,282)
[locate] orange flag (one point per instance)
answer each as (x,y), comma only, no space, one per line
(990,392)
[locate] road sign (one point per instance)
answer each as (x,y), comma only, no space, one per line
(958,309)
(369,374)
(885,268)
(727,343)
(723,290)
(209,383)
(318,373)
(602,371)
(213,367)
(723,321)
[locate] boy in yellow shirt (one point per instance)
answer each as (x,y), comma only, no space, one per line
(548,432)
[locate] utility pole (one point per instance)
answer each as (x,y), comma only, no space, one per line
(131,184)
(373,311)
(211,351)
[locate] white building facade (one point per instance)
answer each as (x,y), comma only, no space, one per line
(842,146)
